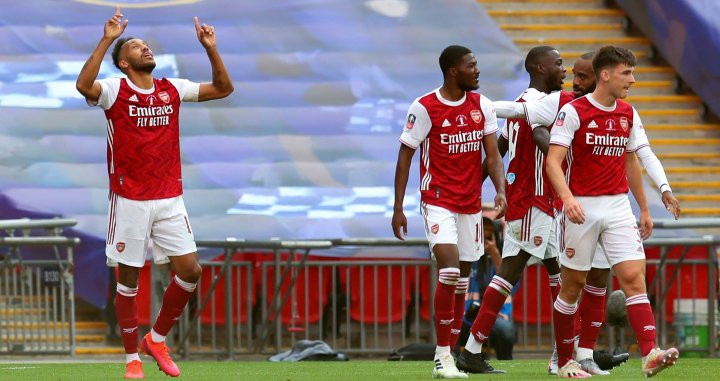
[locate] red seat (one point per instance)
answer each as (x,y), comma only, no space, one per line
(375,305)
(541,312)
(240,292)
(308,297)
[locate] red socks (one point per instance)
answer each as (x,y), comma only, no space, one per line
(493,300)
(444,304)
(174,301)
(554,286)
(127,315)
(460,291)
(592,315)
(564,320)
(642,321)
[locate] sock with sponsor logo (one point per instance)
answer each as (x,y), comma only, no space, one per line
(495,294)
(642,321)
(460,291)
(564,319)
(127,316)
(174,301)
(592,316)
(444,304)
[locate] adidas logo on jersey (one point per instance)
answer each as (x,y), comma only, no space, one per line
(592,124)
(133,98)
(446,123)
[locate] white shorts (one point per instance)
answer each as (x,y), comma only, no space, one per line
(463,230)
(534,234)
(132,223)
(600,260)
(608,221)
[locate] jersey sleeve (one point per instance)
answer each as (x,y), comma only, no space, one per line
(109,89)
(509,110)
(543,110)
(187,90)
(638,137)
(566,123)
(488,111)
(417,125)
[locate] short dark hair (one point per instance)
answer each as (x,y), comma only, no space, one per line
(116,50)
(587,56)
(612,56)
(451,55)
(534,55)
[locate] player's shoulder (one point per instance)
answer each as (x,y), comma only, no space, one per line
(623,106)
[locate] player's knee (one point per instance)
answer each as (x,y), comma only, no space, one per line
(191,274)
(598,277)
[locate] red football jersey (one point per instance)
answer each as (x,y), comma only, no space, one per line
(526,181)
(450,136)
(598,138)
(143,138)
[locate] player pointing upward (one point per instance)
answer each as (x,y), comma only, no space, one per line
(143,155)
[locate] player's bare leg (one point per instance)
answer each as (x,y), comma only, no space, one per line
(187,273)
(564,312)
(127,316)
(448,262)
(631,276)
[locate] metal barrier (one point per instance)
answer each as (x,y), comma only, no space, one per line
(37,299)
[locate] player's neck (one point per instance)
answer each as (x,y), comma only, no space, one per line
(539,85)
(603,96)
(451,93)
(141,79)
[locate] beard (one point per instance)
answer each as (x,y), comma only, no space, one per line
(469,86)
(146,67)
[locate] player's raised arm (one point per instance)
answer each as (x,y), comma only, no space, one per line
(86,84)
(221,85)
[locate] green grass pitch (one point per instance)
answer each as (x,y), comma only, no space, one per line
(686,369)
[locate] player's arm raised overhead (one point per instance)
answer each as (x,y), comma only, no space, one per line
(561,137)
(221,85)
(492,156)
(634,176)
(639,144)
(86,84)
(417,127)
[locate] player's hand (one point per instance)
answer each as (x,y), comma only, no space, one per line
(671,204)
(500,206)
(399,225)
(646,225)
(115,26)
(205,34)
(573,211)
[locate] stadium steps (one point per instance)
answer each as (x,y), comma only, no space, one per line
(675,123)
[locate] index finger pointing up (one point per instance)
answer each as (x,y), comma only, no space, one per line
(117,10)
(197,23)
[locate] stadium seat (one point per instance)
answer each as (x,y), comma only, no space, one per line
(240,293)
(366,307)
(538,311)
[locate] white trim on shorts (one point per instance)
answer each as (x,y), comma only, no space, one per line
(446,227)
(133,223)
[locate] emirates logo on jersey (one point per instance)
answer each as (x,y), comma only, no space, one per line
(624,123)
(476,116)
(435,228)
(461,120)
(120,246)
(570,252)
(164,96)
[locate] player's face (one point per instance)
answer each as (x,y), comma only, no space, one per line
(583,78)
(621,78)
(553,64)
(468,73)
(138,55)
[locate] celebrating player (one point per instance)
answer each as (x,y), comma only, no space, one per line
(143,155)
(452,125)
(595,132)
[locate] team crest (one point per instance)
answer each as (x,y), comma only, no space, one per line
(610,125)
(461,120)
(164,96)
(435,228)
(570,252)
(624,123)
(410,122)
(150,99)
(476,116)
(120,246)
(537,240)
